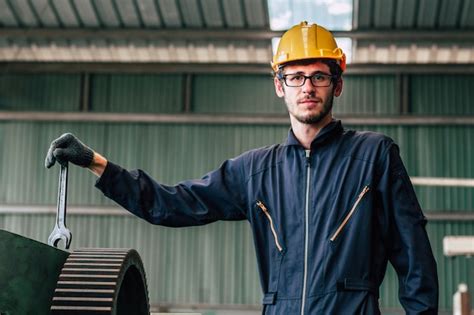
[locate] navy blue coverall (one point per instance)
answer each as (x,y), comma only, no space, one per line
(325,221)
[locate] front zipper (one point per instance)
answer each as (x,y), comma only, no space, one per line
(306,227)
(349,215)
(272,227)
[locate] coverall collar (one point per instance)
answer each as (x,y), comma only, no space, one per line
(328,132)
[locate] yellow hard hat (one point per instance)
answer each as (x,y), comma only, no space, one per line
(307,41)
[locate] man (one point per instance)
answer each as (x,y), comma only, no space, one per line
(328,208)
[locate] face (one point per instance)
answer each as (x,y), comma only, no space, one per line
(308,104)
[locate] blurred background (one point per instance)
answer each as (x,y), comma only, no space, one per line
(175,87)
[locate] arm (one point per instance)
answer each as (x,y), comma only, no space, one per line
(98,164)
(216,196)
(409,250)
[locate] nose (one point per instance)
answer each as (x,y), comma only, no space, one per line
(308,87)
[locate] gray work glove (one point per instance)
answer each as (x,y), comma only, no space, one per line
(68,148)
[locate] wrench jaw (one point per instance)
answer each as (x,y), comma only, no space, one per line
(60,235)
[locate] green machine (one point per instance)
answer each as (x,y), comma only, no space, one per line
(37,279)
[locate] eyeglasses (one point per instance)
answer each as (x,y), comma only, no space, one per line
(317,80)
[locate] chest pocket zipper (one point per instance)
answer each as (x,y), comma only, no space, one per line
(349,215)
(272,227)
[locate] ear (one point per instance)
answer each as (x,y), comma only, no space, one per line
(279,90)
(338,88)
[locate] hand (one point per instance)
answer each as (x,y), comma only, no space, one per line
(68,148)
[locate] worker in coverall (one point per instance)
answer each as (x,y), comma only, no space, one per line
(328,208)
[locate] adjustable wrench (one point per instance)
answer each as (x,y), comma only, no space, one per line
(60,231)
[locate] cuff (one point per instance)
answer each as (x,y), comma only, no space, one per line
(87,158)
(107,176)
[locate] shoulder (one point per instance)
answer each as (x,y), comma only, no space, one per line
(367,139)
(259,159)
(267,153)
(367,145)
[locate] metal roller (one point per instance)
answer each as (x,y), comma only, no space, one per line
(101,281)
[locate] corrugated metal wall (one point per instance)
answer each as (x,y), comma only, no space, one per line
(51,92)
(224,94)
(213,264)
(137,93)
(368,95)
(363,94)
(443,94)
(230,94)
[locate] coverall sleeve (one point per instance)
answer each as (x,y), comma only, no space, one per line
(409,249)
(216,196)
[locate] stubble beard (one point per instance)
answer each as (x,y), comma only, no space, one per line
(313,118)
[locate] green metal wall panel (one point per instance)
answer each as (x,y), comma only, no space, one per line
(442,94)
(237,94)
(137,93)
(23,177)
(245,94)
(362,94)
(40,92)
(368,95)
(443,152)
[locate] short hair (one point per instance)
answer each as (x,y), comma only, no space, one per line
(334,67)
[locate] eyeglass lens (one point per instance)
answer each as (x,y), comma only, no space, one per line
(317,79)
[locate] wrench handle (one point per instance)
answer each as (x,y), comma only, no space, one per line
(62,196)
(60,231)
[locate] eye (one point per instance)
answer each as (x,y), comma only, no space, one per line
(319,77)
(295,77)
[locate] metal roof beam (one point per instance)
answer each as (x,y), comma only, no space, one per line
(134,68)
(228,34)
(221,68)
(217,119)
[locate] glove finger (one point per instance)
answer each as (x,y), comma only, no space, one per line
(62,142)
(50,159)
(61,155)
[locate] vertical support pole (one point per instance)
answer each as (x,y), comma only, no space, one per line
(85,105)
(403,84)
(187,93)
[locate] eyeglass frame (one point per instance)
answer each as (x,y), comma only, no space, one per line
(306,77)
